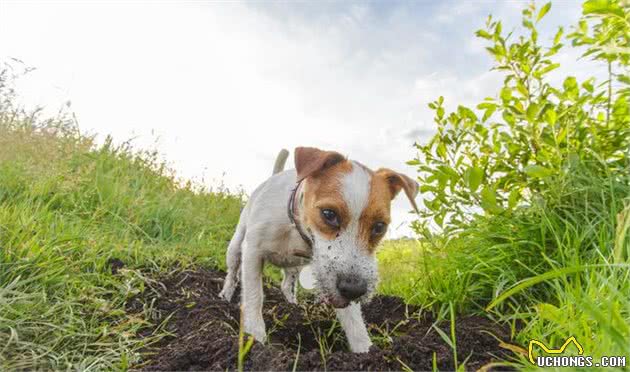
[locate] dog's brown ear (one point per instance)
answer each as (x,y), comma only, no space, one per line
(309,160)
(398,181)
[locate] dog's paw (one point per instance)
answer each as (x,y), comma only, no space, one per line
(292,300)
(257,331)
(361,346)
(227,294)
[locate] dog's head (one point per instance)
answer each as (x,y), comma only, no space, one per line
(346,210)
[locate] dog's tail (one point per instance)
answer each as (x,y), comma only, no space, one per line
(281,160)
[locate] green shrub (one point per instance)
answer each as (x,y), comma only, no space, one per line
(527,198)
(505,154)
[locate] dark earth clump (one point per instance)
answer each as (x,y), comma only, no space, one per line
(115,265)
(205,328)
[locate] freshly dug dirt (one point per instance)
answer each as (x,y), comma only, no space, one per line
(305,336)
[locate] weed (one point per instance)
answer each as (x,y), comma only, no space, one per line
(243,346)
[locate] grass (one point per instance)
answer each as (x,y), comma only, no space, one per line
(552,271)
(67,207)
(400,265)
(555,264)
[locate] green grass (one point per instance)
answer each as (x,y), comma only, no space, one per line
(559,268)
(400,268)
(66,208)
(527,207)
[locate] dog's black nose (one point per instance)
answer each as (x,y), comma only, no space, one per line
(351,287)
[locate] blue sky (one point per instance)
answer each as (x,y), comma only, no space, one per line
(219,87)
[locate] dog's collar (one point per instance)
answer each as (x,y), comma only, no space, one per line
(296,222)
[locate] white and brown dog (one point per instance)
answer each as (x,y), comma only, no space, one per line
(329,212)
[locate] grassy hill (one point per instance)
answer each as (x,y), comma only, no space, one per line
(69,210)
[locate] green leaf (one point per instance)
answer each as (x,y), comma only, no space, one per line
(433,205)
(526,283)
(522,89)
(506,93)
(562,134)
(483,34)
(485,105)
(602,7)
(550,116)
(489,200)
(543,11)
(549,312)
(440,112)
(515,196)
(624,79)
(532,112)
(546,69)
(571,88)
(489,112)
(508,117)
(439,219)
(569,83)
(441,150)
(447,340)
(537,171)
(474,178)
(557,38)
(497,29)
(554,50)
(450,172)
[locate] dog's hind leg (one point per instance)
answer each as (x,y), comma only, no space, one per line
(289,283)
(233,262)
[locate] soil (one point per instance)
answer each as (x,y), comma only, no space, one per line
(305,337)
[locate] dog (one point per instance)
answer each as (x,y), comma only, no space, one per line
(329,212)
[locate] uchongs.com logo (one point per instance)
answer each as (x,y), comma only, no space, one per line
(555,358)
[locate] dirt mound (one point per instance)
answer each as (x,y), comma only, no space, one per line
(305,336)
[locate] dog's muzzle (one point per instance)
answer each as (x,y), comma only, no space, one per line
(351,287)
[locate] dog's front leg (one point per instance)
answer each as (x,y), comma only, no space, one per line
(353,325)
(252,294)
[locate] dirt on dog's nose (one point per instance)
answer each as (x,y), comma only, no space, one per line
(351,287)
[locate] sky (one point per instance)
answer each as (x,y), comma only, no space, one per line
(218,88)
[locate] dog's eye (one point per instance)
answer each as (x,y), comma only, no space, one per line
(378,228)
(330,217)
